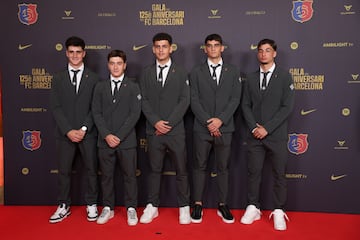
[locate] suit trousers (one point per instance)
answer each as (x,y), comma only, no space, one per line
(174,145)
(258,152)
(203,143)
(127,159)
(67,151)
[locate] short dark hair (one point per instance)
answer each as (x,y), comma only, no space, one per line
(271,42)
(117,53)
(215,37)
(75,41)
(162,36)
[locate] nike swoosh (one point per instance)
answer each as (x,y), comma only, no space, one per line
(253,47)
(334,178)
(22,47)
(303,112)
(137,48)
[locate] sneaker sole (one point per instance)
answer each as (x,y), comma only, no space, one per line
(225,220)
(59,219)
(250,222)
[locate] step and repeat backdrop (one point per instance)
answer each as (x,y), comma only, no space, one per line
(318,42)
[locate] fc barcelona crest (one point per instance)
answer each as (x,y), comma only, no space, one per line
(28,13)
(302,11)
(298,143)
(31,140)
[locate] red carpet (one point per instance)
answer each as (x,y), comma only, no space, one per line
(31,222)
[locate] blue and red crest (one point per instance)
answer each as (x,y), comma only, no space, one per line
(28,13)
(31,140)
(302,11)
(298,143)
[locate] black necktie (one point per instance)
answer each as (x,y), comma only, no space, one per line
(264,80)
(214,71)
(116,88)
(160,78)
(74,79)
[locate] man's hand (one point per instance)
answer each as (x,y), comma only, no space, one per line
(162,127)
(213,126)
(76,135)
(112,140)
(260,132)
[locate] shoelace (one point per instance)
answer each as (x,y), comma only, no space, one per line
(131,214)
(284,214)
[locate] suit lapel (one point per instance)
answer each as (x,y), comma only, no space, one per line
(206,72)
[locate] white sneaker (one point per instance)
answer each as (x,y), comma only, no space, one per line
(132,218)
(279,219)
(184,215)
(61,212)
(150,212)
(105,215)
(92,212)
(251,214)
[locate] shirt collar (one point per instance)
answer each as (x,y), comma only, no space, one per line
(168,63)
(210,63)
(271,70)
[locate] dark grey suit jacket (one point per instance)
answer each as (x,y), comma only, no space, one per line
(272,107)
(117,117)
(168,103)
(210,100)
(70,110)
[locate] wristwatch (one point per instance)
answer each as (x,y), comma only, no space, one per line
(84,128)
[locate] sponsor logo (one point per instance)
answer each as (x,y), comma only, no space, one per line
(253,46)
(338,44)
(214,14)
(67,15)
(341,145)
(22,47)
(38,79)
(303,112)
(347,10)
(31,140)
(334,178)
(294,45)
(137,48)
(298,143)
(302,11)
(295,176)
(27,13)
(355,78)
(345,112)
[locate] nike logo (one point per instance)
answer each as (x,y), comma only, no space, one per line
(334,178)
(22,47)
(303,112)
(137,48)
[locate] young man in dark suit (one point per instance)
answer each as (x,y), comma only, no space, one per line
(166,97)
(70,102)
(215,95)
(116,109)
(267,103)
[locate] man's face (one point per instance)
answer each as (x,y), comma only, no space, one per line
(75,55)
(213,49)
(116,66)
(266,54)
(162,50)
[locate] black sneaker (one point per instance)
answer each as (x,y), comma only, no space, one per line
(224,212)
(196,215)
